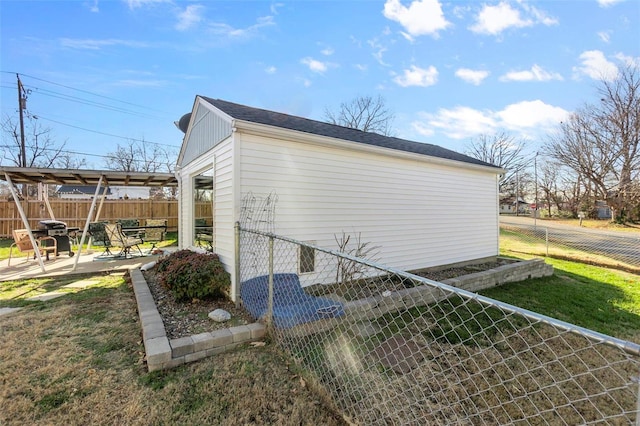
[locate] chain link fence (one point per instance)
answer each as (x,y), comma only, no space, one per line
(392,348)
(607,249)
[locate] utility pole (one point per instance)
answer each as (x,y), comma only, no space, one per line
(22,104)
(535,212)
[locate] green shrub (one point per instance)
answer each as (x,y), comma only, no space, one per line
(190,275)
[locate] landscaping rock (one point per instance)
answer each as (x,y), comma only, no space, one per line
(220,315)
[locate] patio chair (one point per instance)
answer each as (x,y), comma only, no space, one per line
(118,239)
(99,237)
(155,235)
(129,223)
(204,234)
(23,243)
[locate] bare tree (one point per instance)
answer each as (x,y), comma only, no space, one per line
(601,143)
(143,157)
(363,113)
(501,150)
(40,148)
(139,157)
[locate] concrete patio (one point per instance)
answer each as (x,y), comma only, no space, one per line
(63,264)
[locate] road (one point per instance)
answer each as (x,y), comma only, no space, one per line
(622,246)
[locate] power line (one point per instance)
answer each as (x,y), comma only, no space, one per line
(39,116)
(76,99)
(84,91)
(83,101)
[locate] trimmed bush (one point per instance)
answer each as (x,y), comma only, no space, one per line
(190,275)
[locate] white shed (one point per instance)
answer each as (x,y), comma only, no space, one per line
(423,205)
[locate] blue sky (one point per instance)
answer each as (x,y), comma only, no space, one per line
(100,72)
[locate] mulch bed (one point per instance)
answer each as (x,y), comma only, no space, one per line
(183,319)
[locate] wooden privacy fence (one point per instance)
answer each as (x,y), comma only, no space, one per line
(74,212)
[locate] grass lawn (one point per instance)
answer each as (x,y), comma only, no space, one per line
(78,359)
(597,298)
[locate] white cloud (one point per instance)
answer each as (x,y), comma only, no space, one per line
(316,66)
(523,118)
(189,17)
(474,77)
(378,51)
(536,73)
(270,70)
(226,30)
(422,17)
(605,36)
(361,67)
(418,77)
(140,83)
(607,3)
(456,123)
(327,51)
(93,7)
(275,6)
(92,44)
(540,16)
(627,60)
(493,20)
(530,115)
(133,4)
(596,66)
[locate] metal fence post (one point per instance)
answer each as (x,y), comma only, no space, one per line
(546,239)
(270,300)
(236,295)
(637,382)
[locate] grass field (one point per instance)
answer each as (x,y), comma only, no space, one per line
(78,360)
(600,299)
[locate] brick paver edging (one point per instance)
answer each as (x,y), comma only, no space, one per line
(163,353)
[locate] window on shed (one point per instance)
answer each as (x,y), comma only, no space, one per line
(306,259)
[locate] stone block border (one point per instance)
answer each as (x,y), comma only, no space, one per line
(163,353)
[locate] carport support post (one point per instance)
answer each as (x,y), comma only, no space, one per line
(270,300)
(25,221)
(86,224)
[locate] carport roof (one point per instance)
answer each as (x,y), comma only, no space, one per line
(30,175)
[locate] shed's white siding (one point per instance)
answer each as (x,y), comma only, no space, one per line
(223,205)
(206,130)
(210,146)
(421,214)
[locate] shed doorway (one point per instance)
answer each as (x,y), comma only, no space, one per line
(203,220)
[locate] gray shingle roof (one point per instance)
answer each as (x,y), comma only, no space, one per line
(291,122)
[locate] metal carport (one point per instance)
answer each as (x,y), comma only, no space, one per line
(99,178)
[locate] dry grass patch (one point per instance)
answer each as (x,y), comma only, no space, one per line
(78,359)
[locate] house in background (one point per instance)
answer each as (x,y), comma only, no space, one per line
(508,206)
(423,205)
(86,192)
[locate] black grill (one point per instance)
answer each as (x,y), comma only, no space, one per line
(54,227)
(59,231)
